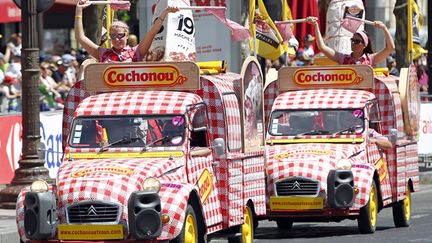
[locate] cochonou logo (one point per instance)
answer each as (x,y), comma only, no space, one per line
(137,76)
(340,76)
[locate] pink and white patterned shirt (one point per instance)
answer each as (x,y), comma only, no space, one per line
(127,54)
(345,59)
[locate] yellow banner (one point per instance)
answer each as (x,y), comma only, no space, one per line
(120,155)
(410,30)
(296,203)
(90,232)
(267,41)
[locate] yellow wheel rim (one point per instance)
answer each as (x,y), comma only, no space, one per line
(407,204)
(247,226)
(190,230)
(373,206)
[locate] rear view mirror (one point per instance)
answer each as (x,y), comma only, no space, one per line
(219,145)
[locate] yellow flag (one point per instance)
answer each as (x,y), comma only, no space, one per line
(414,28)
(269,43)
(107,20)
(286,11)
(409,31)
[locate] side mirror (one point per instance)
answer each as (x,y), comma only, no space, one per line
(393,135)
(219,145)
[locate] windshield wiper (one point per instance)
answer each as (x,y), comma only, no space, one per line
(348,129)
(125,140)
(163,139)
(312,132)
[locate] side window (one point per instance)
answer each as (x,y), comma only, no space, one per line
(374,116)
(232,121)
(198,137)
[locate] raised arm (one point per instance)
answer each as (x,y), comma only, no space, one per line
(390,46)
(8,52)
(84,41)
(328,52)
(146,42)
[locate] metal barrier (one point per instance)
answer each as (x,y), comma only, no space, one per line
(425,162)
(425,97)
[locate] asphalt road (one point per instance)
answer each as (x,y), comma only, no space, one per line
(420,229)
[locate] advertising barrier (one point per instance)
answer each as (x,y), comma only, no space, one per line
(10,146)
(425,136)
(11,143)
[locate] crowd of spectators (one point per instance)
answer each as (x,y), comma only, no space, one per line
(58,73)
(304,56)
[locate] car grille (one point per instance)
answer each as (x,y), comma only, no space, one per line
(297,187)
(93,212)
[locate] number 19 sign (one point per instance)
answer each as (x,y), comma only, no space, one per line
(176,38)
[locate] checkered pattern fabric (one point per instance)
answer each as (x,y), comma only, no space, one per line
(136,102)
(235,192)
(314,161)
(99,181)
(215,86)
(301,160)
(391,109)
(400,172)
(109,179)
(174,200)
(363,176)
(322,99)
(412,170)
(406,170)
(232,114)
(387,93)
(375,155)
(254,183)
(237,173)
(76,94)
(20,213)
(271,91)
(392,167)
(232,188)
(211,206)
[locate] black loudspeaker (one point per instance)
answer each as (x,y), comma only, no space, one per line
(144,210)
(340,188)
(40,215)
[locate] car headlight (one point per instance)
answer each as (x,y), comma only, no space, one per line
(343,164)
(151,184)
(39,186)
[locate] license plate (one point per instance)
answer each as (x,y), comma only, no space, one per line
(90,232)
(296,203)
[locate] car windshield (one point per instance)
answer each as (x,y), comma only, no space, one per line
(300,123)
(127,131)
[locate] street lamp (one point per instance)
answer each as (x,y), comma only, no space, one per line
(31,166)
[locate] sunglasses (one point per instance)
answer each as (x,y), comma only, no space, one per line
(356,41)
(117,36)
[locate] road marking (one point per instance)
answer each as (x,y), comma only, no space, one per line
(419,216)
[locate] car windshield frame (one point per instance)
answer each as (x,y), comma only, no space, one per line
(317,122)
(134,131)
